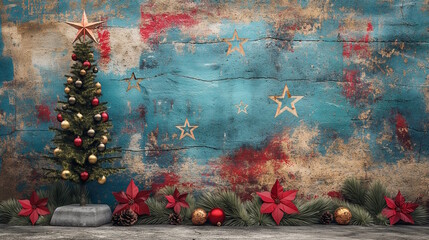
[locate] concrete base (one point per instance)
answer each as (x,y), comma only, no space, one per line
(91,215)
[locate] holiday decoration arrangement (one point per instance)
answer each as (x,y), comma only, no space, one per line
(359,203)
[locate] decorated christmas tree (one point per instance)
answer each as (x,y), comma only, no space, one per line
(81,143)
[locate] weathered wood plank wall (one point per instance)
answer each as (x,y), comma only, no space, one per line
(360,67)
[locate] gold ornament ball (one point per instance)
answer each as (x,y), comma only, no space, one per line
(69,80)
(98,85)
(91,55)
(199,216)
(65,174)
(98,91)
(343,215)
(65,124)
(82,72)
(57,151)
(102,180)
(104,139)
(79,115)
(92,159)
(67,90)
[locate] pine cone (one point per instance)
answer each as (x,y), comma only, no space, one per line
(175,219)
(326,218)
(125,218)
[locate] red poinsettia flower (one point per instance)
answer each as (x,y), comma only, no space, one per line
(278,202)
(399,209)
(34,207)
(177,201)
(132,199)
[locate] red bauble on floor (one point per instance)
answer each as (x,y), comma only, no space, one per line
(216,216)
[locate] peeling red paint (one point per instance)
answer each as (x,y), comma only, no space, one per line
(353,88)
(142,112)
(402,132)
(168,179)
(152,25)
(245,166)
(104,39)
(43,113)
(335,194)
(358,48)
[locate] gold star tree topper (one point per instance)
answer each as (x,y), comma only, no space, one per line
(85,28)
(291,109)
(235,38)
(191,130)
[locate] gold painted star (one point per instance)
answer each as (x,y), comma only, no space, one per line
(138,80)
(235,38)
(85,28)
(291,109)
(191,130)
(241,107)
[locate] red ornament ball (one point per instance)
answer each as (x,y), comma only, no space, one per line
(87,64)
(94,102)
(78,141)
(104,116)
(84,176)
(60,117)
(74,57)
(216,216)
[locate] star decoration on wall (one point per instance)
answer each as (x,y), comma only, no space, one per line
(241,107)
(85,28)
(133,77)
(235,38)
(291,109)
(191,130)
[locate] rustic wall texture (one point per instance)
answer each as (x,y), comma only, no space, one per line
(355,70)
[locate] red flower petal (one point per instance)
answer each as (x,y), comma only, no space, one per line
(288,207)
(288,195)
(268,207)
(121,207)
(388,213)
(25,203)
(33,217)
(406,218)
(144,209)
(170,205)
(276,190)
(25,212)
(43,210)
(177,208)
(182,198)
(183,204)
(277,215)
(42,202)
(142,196)
(121,197)
(394,219)
(390,203)
(265,196)
(34,198)
(170,199)
(176,193)
(408,207)
(132,189)
(399,199)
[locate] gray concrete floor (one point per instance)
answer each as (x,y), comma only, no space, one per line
(209,232)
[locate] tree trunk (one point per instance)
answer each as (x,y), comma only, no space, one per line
(82,194)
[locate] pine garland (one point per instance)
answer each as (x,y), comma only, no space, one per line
(309,212)
(59,194)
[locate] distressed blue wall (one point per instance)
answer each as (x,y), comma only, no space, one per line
(361,67)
